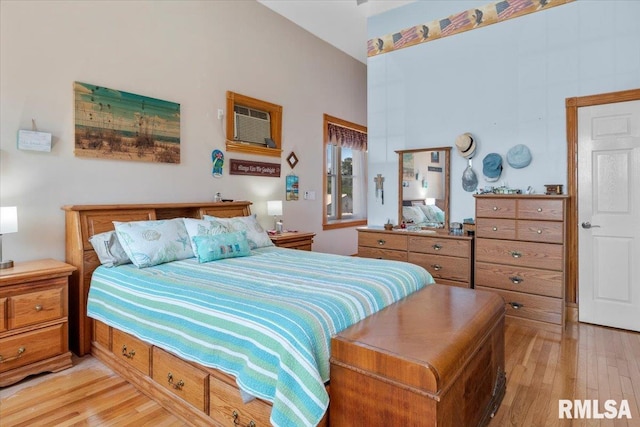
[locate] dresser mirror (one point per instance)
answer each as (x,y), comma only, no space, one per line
(423,186)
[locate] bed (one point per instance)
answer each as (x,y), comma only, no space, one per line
(199,390)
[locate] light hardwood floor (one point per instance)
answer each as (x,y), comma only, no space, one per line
(588,362)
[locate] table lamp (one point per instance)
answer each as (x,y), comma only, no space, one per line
(8,224)
(274,207)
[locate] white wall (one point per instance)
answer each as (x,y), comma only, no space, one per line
(186,52)
(505,83)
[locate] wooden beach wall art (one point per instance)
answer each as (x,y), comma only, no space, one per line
(112,124)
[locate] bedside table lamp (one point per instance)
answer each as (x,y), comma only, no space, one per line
(8,224)
(274,207)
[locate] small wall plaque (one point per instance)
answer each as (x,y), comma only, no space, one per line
(33,140)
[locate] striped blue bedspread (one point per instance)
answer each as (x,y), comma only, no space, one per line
(267,319)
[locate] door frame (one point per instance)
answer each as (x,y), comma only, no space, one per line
(571,262)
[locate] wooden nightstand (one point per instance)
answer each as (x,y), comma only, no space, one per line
(293,240)
(34,307)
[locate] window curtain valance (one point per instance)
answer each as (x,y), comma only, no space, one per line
(347,137)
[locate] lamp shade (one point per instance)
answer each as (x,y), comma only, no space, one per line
(8,219)
(274,207)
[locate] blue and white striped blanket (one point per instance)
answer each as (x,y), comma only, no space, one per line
(266,319)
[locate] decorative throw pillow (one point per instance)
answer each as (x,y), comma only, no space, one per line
(221,246)
(109,250)
(257,236)
(149,243)
(429,213)
(413,214)
(201,227)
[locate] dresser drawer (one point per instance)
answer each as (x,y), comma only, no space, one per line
(526,254)
(38,306)
(180,378)
(438,246)
(23,349)
(3,314)
(135,352)
(443,267)
(521,279)
(383,240)
(496,208)
(541,209)
(534,307)
(540,231)
(227,408)
(367,252)
(496,228)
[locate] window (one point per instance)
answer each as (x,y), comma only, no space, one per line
(345,169)
(257,119)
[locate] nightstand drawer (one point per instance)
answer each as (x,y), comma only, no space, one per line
(37,307)
(132,350)
(22,349)
(180,378)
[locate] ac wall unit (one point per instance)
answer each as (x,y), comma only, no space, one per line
(251,125)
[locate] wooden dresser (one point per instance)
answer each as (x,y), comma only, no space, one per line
(33,319)
(520,254)
(448,258)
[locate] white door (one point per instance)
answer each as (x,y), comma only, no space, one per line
(609,214)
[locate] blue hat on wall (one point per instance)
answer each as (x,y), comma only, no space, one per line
(519,156)
(492,167)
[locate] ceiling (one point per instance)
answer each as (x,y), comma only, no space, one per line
(341,23)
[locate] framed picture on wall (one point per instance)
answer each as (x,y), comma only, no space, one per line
(292,187)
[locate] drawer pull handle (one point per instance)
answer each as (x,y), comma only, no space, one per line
(539,209)
(38,307)
(516,279)
(515,254)
(495,228)
(21,351)
(495,208)
(437,267)
(437,247)
(128,355)
(381,242)
(539,231)
(516,305)
(178,385)
(236,420)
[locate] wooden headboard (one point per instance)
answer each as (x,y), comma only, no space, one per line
(83,221)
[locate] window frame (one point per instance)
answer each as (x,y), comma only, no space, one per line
(275,111)
(337,223)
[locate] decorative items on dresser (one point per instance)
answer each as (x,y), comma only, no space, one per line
(448,258)
(520,253)
(33,319)
(293,240)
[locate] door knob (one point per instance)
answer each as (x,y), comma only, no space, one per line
(587,225)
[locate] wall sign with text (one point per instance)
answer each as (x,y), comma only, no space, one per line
(247,167)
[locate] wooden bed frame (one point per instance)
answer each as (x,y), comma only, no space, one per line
(206,396)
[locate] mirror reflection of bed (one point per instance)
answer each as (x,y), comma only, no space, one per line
(424,187)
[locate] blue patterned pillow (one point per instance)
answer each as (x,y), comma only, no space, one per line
(201,227)
(149,243)
(221,246)
(258,238)
(109,250)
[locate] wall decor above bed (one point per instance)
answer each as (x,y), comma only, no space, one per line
(112,124)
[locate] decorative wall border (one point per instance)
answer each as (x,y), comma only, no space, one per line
(482,16)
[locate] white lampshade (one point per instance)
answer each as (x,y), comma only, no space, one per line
(274,207)
(8,219)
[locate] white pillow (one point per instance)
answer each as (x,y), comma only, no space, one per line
(202,227)
(258,238)
(413,214)
(109,250)
(429,213)
(149,243)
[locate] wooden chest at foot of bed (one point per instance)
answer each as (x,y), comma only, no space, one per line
(434,359)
